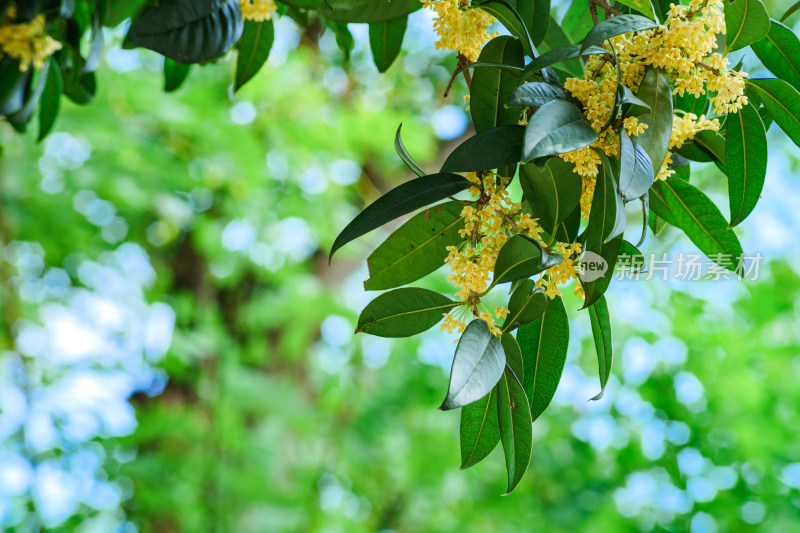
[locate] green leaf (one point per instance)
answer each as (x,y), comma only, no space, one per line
(578,19)
(707,146)
(791,11)
(32,94)
(609,252)
(558,55)
(516,430)
(557,127)
(50,100)
(557,38)
(601,331)
(477,366)
(691,103)
(400,201)
(783,103)
(607,216)
(642,6)
(513,355)
(521,257)
(746,154)
(508,14)
(400,148)
(635,169)
(626,97)
(779,51)
(489,149)
(490,87)
(344,38)
(746,22)
(416,248)
(632,255)
(188,31)
(553,192)
(536,94)
(254,48)
(480,430)
(404,312)
(691,211)
(656,92)
(544,351)
(616,26)
(369,12)
(527,303)
(385,41)
(174,74)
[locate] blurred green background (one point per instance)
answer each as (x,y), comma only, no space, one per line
(179,356)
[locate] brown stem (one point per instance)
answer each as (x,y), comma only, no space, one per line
(605,59)
(461,66)
(508,219)
(708,67)
(610,10)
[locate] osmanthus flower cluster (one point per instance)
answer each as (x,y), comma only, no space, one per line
(611,115)
(25,41)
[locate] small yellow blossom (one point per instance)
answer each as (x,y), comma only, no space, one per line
(257,10)
(27,41)
(460,27)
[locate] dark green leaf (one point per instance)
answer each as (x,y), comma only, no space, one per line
(601,331)
(50,100)
(544,351)
(174,74)
(33,93)
(557,127)
(188,31)
(558,55)
(596,287)
(746,22)
(403,313)
(607,216)
(521,257)
(746,154)
(416,248)
(616,26)
(642,6)
(691,210)
(656,91)
(489,149)
(400,148)
(707,146)
(400,201)
(783,103)
(509,16)
(480,430)
(557,38)
(553,192)
(513,355)
(779,51)
(514,417)
(477,366)
(536,94)
(369,12)
(634,102)
(490,87)
(635,169)
(254,48)
(791,11)
(385,40)
(344,38)
(526,304)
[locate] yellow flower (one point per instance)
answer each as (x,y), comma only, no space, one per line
(257,10)
(460,27)
(27,41)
